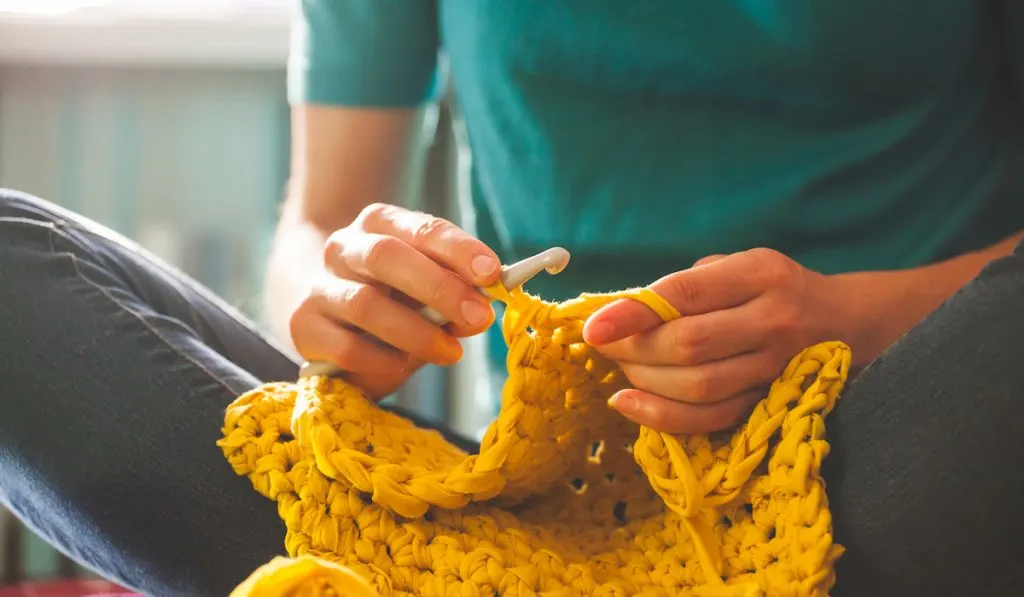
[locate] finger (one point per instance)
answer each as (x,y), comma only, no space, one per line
(321,339)
(438,239)
(391,261)
(708,260)
(694,340)
(454,328)
(403,299)
(722,284)
(670,416)
(704,384)
(372,311)
(375,369)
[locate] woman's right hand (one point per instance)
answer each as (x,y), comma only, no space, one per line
(363,315)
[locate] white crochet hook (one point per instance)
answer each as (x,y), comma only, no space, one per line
(553,261)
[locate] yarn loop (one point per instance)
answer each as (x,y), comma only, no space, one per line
(564,497)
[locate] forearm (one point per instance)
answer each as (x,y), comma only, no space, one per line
(295,262)
(296,258)
(879,307)
(343,159)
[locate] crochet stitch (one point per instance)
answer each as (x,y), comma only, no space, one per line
(565,496)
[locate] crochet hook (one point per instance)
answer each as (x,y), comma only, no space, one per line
(553,261)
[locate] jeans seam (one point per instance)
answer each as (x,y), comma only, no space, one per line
(57,216)
(176,274)
(120,305)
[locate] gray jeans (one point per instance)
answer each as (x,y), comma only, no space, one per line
(115,371)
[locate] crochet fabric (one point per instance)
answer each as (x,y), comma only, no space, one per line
(566,497)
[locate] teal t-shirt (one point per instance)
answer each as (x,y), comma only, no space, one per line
(643,135)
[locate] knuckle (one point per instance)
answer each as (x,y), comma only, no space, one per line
(375,212)
(688,343)
(441,292)
(464,244)
(359,302)
(432,230)
(772,267)
(685,290)
(346,353)
(701,387)
(764,254)
(708,260)
(334,245)
(380,252)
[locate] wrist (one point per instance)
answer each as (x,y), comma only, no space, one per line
(872,310)
(294,265)
(869,311)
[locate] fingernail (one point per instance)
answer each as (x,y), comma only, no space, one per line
(476,313)
(484,265)
(624,403)
(451,353)
(599,332)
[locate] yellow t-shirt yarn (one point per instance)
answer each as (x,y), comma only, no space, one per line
(565,497)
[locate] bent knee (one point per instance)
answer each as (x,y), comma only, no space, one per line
(27,225)
(19,212)
(23,232)
(18,204)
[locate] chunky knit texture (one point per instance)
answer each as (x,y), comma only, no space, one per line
(565,496)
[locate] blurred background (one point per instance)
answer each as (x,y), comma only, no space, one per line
(167,121)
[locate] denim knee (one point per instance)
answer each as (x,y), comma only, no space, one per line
(24,220)
(22,229)
(15,204)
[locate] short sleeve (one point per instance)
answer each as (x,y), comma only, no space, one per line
(372,53)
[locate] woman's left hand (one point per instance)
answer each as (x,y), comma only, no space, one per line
(744,317)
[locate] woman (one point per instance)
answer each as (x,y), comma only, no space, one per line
(781,172)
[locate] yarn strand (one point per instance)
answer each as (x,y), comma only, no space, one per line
(564,497)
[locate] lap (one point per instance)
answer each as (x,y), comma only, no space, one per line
(117,370)
(924,477)
(116,374)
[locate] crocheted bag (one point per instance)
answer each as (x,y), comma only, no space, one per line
(565,496)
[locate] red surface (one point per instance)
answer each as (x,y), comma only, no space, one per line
(75,588)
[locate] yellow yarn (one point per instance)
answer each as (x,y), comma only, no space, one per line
(304,576)
(565,497)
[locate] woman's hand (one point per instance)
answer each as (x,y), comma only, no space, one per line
(362,317)
(744,317)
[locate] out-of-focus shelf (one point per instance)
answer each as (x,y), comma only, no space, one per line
(257,39)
